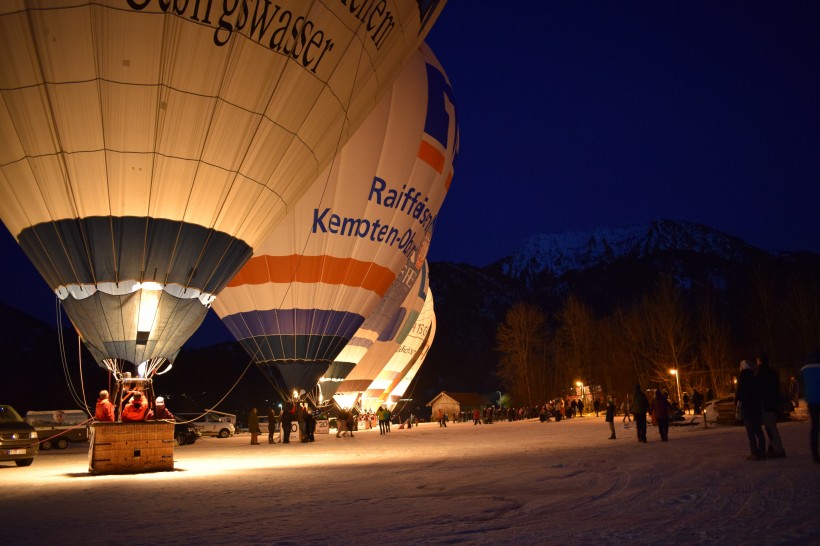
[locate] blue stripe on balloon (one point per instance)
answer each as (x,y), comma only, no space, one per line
(285,322)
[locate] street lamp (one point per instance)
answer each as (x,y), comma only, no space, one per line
(677,379)
(583,397)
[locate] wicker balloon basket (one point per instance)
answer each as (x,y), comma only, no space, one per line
(129,448)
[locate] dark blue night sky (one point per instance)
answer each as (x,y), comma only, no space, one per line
(579,115)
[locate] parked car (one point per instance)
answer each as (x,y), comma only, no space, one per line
(712,409)
(185,433)
(212,423)
(59,427)
(722,409)
(18,439)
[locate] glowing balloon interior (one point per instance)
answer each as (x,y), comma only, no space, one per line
(148,146)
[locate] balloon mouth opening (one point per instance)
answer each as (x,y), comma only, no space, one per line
(86,290)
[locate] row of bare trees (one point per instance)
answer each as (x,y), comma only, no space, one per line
(542,355)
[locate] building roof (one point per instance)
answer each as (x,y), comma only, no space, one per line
(463,398)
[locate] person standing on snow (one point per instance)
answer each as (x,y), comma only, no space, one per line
(253,427)
(625,408)
(380,415)
(811,391)
(659,408)
(610,417)
(751,409)
(640,405)
(271,424)
(769,384)
(287,421)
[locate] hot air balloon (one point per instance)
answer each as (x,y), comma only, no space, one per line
(148,146)
(391,398)
(402,360)
(372,349)
(309,286)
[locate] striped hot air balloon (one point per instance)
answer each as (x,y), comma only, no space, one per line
(406,354)
(392,397)
(147,147)
(309,287)
(372,349)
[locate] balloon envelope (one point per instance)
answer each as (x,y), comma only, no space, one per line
(146,146)
(371,350)
(309,286)
(405,356)
(391,398)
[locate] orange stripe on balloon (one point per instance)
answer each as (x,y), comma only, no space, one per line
(430,155)
(314,269)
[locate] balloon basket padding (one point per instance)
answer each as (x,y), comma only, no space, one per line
(131,448)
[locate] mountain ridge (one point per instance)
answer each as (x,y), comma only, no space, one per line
(559,254)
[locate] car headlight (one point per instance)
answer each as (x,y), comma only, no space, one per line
(34,434)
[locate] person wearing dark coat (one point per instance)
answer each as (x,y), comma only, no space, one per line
(769,384)
(659,408)
(596,405)
(640,405)
(810,374)
(271,424)
(610,417)
(697,401)
(253,427)
(310,426)
(751,409)
(288,416)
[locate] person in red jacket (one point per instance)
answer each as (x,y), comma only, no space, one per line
(161,412)
(105,409)
(135,409)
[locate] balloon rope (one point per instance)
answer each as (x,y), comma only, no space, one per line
(66,431)
(63,357)
(80,365)
(223,397)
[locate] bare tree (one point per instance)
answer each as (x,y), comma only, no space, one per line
(761,313)
(619,359)
(715,366)
(657,333)
(803,318)
(575,344)
(520,340)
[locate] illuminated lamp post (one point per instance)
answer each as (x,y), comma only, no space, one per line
(677,379)
(583,397)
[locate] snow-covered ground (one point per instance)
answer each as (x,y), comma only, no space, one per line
(521,483)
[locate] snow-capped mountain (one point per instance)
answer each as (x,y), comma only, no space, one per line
(606,269)
(557,255)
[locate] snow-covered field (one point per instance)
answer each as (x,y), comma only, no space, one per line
(521,483)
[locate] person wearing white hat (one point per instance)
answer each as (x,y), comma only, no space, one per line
(161,412)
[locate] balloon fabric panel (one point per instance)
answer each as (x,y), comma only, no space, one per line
(149,146)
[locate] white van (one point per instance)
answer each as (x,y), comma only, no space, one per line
(212,423)
(59,427)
